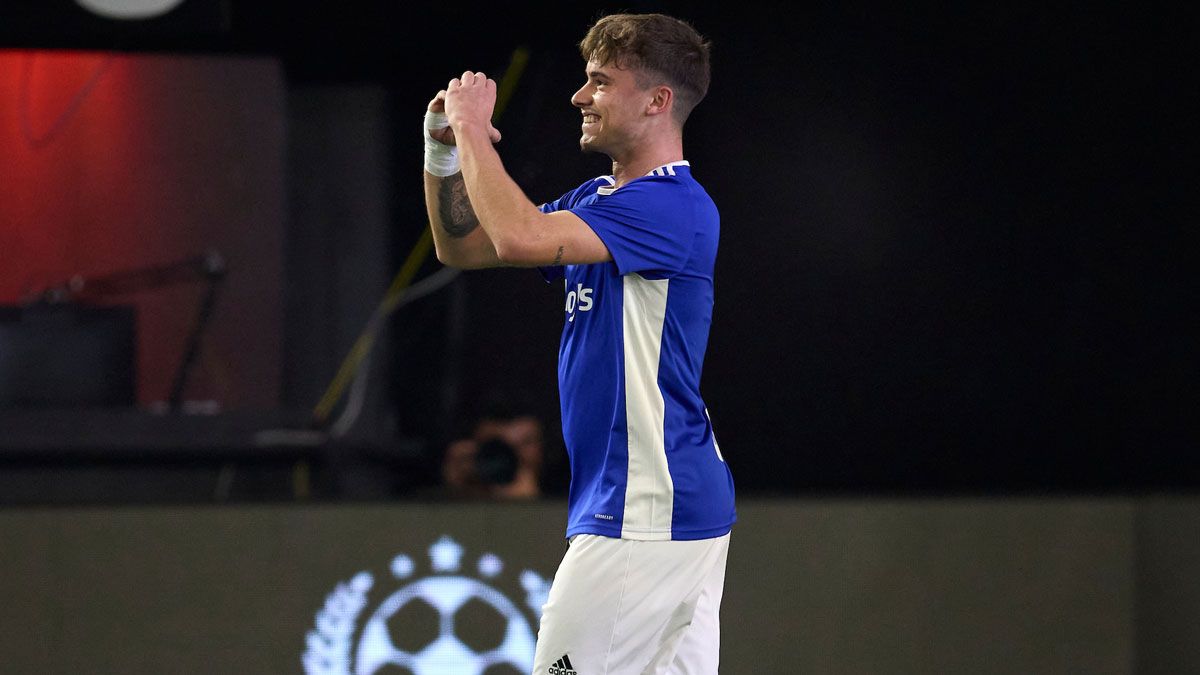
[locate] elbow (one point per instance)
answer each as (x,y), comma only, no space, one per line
(515,254)
(461,259)
(506,252)
(443,255)
(519,247)
(447,257)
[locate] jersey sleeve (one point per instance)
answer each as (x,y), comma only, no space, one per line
(647,226)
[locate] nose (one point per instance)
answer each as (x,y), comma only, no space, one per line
(582,97)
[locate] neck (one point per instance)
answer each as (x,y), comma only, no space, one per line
(642,158)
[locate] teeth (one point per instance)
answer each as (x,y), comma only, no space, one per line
(590,118)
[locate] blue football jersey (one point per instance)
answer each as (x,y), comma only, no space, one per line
(644,461)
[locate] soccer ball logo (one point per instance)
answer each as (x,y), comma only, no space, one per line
(442,624)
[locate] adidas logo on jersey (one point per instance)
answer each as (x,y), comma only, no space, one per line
(563,667)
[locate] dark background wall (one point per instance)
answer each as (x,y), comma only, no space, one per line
(949,256)
(946,258)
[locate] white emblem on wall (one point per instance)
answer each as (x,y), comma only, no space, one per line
(434,608)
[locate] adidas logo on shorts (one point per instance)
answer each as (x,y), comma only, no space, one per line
(563,667)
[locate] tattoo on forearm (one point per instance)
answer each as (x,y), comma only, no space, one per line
(557,257)
(454,209)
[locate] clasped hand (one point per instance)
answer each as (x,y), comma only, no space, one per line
(467,100)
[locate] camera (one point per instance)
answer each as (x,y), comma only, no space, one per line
(496,462)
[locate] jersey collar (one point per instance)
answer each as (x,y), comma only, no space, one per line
(667,169)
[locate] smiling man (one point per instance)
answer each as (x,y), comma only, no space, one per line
(651,499)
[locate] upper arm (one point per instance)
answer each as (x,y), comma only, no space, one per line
(558,238)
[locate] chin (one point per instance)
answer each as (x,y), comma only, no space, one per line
(587,144)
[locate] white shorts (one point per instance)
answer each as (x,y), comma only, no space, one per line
(628,607)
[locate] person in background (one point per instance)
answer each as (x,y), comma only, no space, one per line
(502,458)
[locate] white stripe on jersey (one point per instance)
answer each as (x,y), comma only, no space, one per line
(649,492)
(715,445)
(663,170)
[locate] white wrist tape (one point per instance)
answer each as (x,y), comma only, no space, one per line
(441,160)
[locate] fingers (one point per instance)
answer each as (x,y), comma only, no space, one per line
(438,104)
(463,96)
(445,135)
(471,78)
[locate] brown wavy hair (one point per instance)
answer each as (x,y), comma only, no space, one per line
(657,47)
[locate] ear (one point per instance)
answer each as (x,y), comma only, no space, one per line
(661,101)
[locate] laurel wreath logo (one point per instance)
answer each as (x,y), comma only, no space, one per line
(329,643)
(333,648)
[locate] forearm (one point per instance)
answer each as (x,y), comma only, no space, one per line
(456,234)
(519,233)
(450,211)
(509,218)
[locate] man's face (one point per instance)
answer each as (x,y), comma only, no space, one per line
(523,433)
(613,107)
